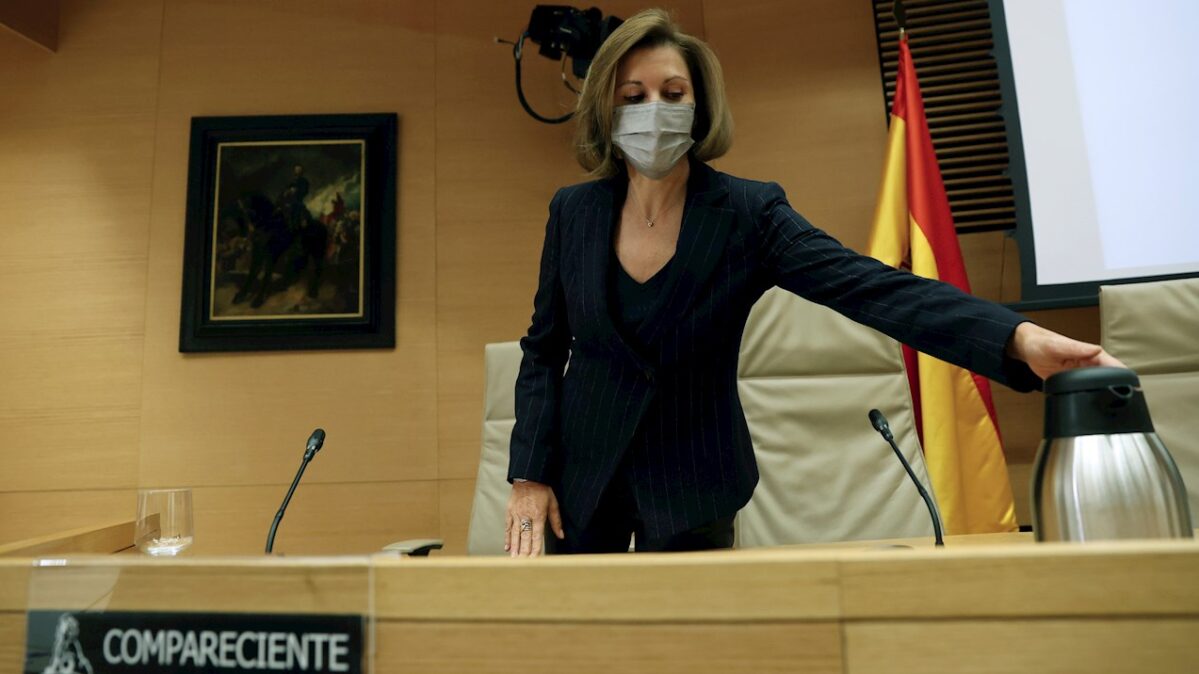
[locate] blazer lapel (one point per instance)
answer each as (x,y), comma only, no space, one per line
(704,231)
(597,259)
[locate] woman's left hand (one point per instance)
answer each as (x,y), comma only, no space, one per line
(1048,353)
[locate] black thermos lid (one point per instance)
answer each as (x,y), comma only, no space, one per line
(1095,401)
(1090,379)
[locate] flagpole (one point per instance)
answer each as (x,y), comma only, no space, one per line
(901,18)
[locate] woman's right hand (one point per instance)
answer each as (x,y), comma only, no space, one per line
(528,507)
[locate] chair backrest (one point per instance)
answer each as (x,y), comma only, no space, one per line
(486,534)
(807,378)
(1154,329)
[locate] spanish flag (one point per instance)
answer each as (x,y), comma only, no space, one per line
(954,412)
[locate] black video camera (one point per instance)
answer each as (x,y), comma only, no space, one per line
(578,33)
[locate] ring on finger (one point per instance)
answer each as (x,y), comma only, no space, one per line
(526,525)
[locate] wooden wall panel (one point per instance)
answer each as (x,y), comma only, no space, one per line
(983,255)
(226,420)
(77,132)
(1010,274)
(322,519)
(12,641)
(26,514)
(804,89)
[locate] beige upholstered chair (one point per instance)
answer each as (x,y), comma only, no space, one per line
(486,535)
(808,377)
(1154,329)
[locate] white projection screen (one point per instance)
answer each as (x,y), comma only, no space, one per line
(1101,103)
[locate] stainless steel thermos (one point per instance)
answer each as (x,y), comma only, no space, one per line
(1101,472)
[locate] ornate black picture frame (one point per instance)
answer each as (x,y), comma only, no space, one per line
(290,239)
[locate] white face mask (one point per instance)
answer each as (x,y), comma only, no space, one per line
(653,136)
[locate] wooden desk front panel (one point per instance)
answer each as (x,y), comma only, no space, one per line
(1063,646)
(1126,607)
(582,647)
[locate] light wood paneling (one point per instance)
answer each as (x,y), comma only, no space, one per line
(1048,579)
(977,577)
(301,585)
(611,588)
(1020,422)
(803,84)
(983,256)
(1081,323)
(952,541)
(231,422)
(12,641)
(29,514)
(243,418)
(137,582)
(658,649)
(77,132)
(104,539)
(14,585)
(1099,607)
(1004,646)
(323,519)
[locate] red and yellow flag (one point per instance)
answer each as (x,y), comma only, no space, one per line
(954,412)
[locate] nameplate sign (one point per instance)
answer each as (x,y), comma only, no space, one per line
(82,642)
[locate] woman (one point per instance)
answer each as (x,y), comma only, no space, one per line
(647,277)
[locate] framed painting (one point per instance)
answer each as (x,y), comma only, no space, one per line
(290,234)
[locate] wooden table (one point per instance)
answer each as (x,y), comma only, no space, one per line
(998,604)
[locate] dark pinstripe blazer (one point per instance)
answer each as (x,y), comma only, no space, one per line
(673,404)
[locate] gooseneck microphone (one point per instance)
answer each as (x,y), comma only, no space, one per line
(884,429)
(315,442)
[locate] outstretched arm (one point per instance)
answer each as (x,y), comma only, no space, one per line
(931,316)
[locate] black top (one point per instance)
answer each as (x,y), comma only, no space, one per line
(631,301)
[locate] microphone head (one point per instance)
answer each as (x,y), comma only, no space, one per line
(316,440)
(880,423)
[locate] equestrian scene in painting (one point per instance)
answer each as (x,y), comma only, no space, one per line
(287,236)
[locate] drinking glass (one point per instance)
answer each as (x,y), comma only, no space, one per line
(164,521)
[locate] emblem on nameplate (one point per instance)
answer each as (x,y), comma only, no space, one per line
(68,657)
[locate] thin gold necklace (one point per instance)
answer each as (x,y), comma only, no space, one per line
(649,221)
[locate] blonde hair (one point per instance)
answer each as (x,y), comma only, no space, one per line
(713,129)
